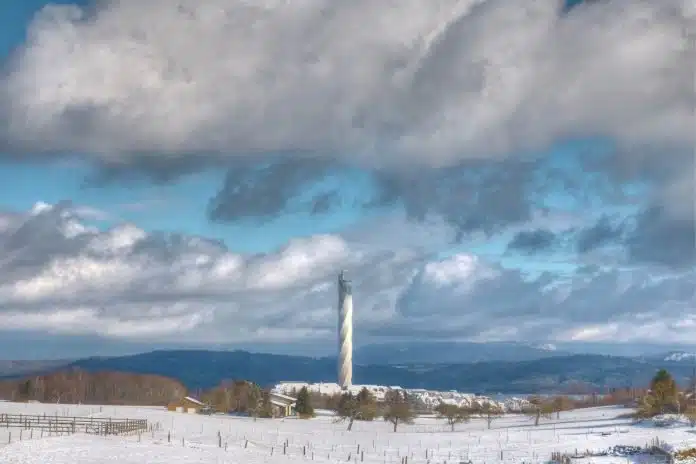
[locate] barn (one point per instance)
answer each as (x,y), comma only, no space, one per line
(187,404)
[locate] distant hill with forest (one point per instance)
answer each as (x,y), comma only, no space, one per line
(201,369)
(206,369)
(75,386)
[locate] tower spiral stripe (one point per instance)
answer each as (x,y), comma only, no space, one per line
(345,329)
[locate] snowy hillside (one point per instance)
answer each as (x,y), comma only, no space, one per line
(680,356)
(180,438)
(426,398)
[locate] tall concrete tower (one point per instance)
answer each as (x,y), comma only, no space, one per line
(345,331)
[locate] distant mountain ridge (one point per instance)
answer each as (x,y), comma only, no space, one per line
(199,369)
(463,367)
(18,368)
(677,357)
(452,352)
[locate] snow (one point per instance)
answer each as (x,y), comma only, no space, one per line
(679,356)
(194,439)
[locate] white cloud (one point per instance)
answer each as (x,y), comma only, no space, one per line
(430,81)
(127,284)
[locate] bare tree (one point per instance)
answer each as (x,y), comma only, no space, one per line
(397,409)
(690,414)
(538,408)
(452,413)
(560,404)
(490,412)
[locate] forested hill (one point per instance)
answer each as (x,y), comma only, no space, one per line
(205,369)
(76,386)
(199,369)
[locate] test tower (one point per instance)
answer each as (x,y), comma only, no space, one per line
(345,332)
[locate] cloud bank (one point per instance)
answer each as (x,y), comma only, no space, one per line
(290,95)
(425,82)
(60,276)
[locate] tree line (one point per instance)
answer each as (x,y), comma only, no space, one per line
(397,407)
(77,386)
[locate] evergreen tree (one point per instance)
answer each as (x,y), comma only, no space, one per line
(303,406)
(255,399)
(663,390)
(364,396)
(367,405)
(265,409)
(348,409)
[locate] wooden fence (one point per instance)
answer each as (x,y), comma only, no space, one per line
(59,424)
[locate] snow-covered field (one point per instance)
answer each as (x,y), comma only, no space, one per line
(194,439)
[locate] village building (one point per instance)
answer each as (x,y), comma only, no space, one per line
(282,405)
(188,405)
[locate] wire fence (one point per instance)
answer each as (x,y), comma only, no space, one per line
(67,425)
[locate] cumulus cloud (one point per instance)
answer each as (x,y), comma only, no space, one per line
(58,275)
(286,95)
(380,83)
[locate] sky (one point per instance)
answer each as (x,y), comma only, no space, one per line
(196,174)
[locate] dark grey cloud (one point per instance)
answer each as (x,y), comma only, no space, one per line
(661,238)
(472,196)
(147,167)
(29,243)
(324,203)
(533,241)
(264,191)
(604,232)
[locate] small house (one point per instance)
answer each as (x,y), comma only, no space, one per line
(282,405)
(187,404)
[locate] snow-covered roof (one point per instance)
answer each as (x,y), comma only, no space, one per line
(284,397)
(194,400)
(279,403)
